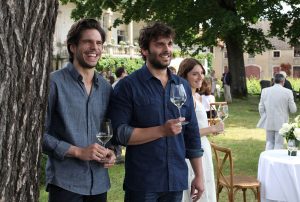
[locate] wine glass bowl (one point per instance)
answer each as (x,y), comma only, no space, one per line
(105,133)
(222,112)
(178,97)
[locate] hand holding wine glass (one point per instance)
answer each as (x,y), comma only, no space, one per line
(178,97)
(105,133)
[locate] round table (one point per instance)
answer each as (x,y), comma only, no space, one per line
(279,175)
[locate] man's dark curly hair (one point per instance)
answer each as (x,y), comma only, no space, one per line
(153,32)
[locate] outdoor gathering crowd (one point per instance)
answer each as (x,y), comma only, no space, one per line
(167,159)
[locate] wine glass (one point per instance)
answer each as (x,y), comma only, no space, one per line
(223,113)
(178,98)
(105,133)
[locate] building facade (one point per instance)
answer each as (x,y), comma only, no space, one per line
(265,65)
(121,41)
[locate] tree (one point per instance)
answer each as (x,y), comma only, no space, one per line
(203,23)
(26,37)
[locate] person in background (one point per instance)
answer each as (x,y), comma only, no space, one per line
(77,165)
(193,71)
(111,79)
(287,83)
(148,124)
(276,102)
(213,81)
(173,69)
(120,74)
(207,98)
(226,79)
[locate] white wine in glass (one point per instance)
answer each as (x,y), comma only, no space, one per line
(178,98)
(222,111)
(105,133)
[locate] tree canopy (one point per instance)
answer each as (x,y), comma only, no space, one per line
(202,23)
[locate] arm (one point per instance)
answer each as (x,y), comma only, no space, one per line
(197,185)
(54,146)
(144,135)
(292,104)
(219,127)
(121,111)
(261,106)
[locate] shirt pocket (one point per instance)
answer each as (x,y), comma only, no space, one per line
(147,111)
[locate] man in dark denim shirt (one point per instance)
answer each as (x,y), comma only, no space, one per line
(145,120)
(77,166)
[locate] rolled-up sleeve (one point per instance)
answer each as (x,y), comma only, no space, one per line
(120,112)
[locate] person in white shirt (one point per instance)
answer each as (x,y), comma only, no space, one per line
(207,98)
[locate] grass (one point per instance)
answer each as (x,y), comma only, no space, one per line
(241,135)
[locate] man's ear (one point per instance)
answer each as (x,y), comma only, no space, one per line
(145,52)
(72,48)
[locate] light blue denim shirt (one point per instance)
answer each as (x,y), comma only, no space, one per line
(73,118)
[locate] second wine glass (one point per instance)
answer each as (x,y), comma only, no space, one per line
(222,111)
(178,97)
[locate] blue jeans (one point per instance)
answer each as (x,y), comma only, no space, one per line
(138,196)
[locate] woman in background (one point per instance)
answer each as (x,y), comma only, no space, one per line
(192,70)
(207,98)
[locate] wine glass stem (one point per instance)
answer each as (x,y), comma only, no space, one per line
(179,112)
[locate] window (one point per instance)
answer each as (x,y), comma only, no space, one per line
(251,55)
(121,35)
(296,71)
(297,51)
(276,54)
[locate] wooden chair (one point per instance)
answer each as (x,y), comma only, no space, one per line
(231,182)
(214,106)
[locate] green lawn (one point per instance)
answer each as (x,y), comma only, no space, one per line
(241,135)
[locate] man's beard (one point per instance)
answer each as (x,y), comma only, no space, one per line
(156,64)
(84,64)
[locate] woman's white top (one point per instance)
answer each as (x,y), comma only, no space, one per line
(206,100)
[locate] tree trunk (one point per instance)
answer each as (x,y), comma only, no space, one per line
(236,65)
(26,37)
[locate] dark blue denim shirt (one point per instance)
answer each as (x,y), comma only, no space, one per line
(73,118)
(140,101)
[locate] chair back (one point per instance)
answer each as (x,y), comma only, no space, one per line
(224,165)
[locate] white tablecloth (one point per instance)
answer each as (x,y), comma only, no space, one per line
(279,175)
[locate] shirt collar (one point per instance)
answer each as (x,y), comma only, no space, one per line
(146,75)
(75,74)
(73,71)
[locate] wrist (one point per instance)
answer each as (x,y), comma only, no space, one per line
(162,131)
(73,152)
(113,150)
(214,129)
